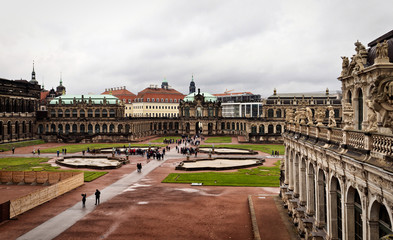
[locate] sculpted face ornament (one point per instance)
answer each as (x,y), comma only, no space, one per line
(389,91)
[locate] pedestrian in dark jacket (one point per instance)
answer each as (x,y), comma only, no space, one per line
(98,193)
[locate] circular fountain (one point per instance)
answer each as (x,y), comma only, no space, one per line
(219,150)
(219,163)
(93,162)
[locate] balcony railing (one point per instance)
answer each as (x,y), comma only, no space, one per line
(366,142)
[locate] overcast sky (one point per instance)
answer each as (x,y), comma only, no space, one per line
(293,46)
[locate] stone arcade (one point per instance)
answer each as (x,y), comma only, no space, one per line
(338,182)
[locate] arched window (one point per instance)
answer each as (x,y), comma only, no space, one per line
(60,113)
(278,129)
(74,113)
(112,113)
(97,113)
(278,113)
(349,97)
(233,126)
(23,127)
(111,128)
(360,109)
(53,128)
(270,129)
(222,126)
(119,128)
(60,128)
(127,128)
(104,128)
(261,129)
(82,113)
(74,128)
(82,128)
(104,113)
(270,113)
(90,128)
(52,113)
(253,129)
(67,128)
(67,113)
(90,113)
(187,112)
(16,127)
(97,128)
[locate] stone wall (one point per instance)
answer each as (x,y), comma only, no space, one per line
(62,182)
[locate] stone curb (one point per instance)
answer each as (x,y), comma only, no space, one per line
(255,228)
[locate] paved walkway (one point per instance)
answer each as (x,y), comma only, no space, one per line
(55,226)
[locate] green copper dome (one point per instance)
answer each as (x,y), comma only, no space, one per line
(208,97)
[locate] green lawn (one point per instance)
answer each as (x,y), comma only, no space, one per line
(38,164)
(8,146)
(267,148)
(161,139)
(219,140)
(73,148)
(256,177)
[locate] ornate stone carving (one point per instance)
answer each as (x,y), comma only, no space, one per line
(382,100)
(320,115)
(289,115)
(382,53)
(348,116)
(345,66)
(309,116)
(332,120)
(371,118)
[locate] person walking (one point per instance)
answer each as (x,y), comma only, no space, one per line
(13,150)
(83,199)
(38,151)
(58,152)
(98,193)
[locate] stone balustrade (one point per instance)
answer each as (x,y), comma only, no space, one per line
(368,142)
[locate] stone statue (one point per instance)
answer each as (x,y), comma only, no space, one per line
(302,115)
(378,50)
(371,117)
(385,49)
(359,47)
(289,115)
(345,66)
(332,120)
(309,116)
(320,115)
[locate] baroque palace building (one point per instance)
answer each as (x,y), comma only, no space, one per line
(18,105)
(337,180)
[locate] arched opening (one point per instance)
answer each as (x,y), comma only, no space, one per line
(74,113)
(104,128)
(82,128)
(302,183)
(198,128)
(278,113)
(253,129)
(379,222)
(360,109)
(112,113)
(74,128)
(97,128)
(349,97)
(111,128)
(90,128)
(97,113)
(210,128)
(261,129)
(67,128)
(127,128)
(52,113)
(60,128)
(90,113)
(53,128)
(104,113)
(336,209)
(119,128)
(278,129)
(82,113)
(354,215)
(67,113)
(40,129)
(311,190)
(270,113)
(270,129)
(321,213)
(60,113)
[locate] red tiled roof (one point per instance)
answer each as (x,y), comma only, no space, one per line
(159,93)
(43,95)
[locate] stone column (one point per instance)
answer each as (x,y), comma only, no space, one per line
(310,194)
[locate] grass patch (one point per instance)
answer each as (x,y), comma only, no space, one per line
(90,176)
(37,164)
(73,148)
(8,146)
(255,177)
(267,148)
(161,139)
(219,140)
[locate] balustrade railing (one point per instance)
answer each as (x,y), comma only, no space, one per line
(382,144)
(323,133)
(337,135)
(356,140)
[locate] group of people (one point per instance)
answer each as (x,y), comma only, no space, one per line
(155,154)
(38,151)
(97,194)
